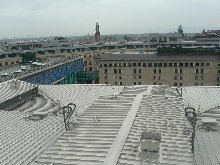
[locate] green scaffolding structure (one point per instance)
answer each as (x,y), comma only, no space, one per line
(81,78)
(88,77)
(69,79)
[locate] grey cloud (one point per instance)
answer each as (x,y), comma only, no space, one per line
(73,17)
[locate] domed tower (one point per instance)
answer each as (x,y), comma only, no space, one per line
(180,30)
(97,33)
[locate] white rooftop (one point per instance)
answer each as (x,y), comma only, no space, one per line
(109,126)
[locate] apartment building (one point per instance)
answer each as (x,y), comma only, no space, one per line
(9,59)
(154,69)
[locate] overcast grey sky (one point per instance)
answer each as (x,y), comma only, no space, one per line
(20,18)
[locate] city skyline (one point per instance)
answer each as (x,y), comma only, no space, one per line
(23,18)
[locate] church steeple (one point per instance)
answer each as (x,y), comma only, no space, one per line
(180,30)
(97,33)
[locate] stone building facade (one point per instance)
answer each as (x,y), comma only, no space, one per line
(154,69)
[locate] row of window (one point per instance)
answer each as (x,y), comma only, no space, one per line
(154,77)
(7,63)
(154,64)
(159,83)
(155,71)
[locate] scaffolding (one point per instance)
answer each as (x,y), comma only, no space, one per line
(81,78)
(88,77)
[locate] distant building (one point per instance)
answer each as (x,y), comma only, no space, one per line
(154,69)
(97,33)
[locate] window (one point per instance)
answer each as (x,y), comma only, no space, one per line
(186,64)
(105,65)
(149,64)
(155,64)
(100,65)
(139,77)
(175,70)
(207,64)
(139,64)
(180,64)
(159,77)
(116,77)
(202,64)
(196,84)
(106,82)
(155,83)
(170,64)
(135,71)
(12,63)
(202,70)
(181,77)
(124,65)
(155,77)
(135,83)
(119,71)
(110,65)
(175,84)
(197,64)
(144,65)
(134,64)
(160,65)
(90,62)
(139,71)
(191,64)
(159,70)
(115,65)
(129,64)
(120,77)
(115,83)
(181,70)
(139,83)
(175,65)
(155,71)
(165,65)
(106,71)
(120,83)
(115,70)
(218,70)
(196,70)
(175,78)
(119,65)
(90,69)
(181,84)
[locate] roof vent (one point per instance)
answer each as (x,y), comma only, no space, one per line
(149,146)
